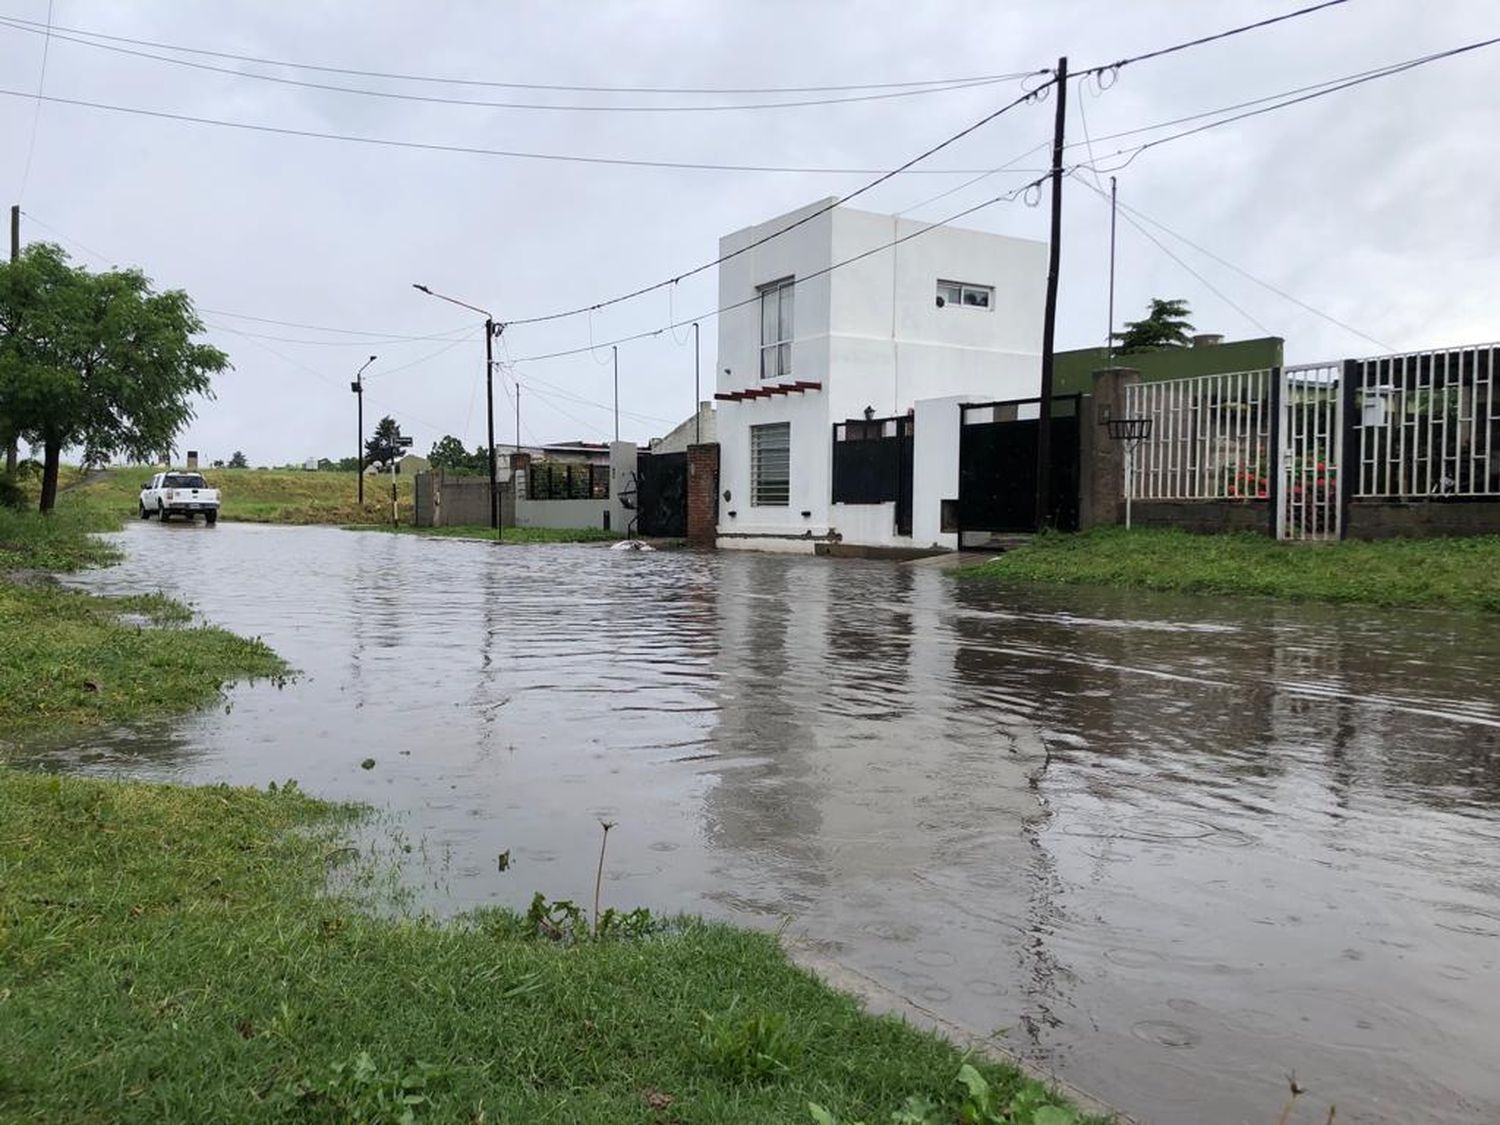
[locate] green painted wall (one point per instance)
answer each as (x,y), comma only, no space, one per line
(1073,372)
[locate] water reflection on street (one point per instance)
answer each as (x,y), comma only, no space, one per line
(1175,847)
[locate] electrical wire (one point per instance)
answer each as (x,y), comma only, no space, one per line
(370,337)
(476,150)
(36,116)
(1201,40)
(1219,293)
(431,99)
(451,81)
(1030,95)
(1003,198)
(1369,76)
(1282,293)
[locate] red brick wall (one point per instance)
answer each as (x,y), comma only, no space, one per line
(703,495)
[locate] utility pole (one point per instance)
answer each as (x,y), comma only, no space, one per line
(358,387)
(697,391)
(491,330)
(615,352)
(518,418)
(12,452)
(1049,317)
(1109,337)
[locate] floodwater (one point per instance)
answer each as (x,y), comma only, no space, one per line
(1174,848)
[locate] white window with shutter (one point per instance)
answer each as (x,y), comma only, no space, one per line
(771,465)
(776,329)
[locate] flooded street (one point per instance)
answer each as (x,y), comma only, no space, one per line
(1174,848)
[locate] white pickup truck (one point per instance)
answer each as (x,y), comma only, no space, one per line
(179,494)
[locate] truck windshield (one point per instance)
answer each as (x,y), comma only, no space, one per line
(184,480)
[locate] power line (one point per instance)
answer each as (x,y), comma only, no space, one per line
(1370,76)
(531,383)
(809,217)
(1201,279)
(1327,85)
(432,99)
(1004,198)
(370,337)
(36,116)
(1139,214)
(1201,40)
(976,79)
(477,150)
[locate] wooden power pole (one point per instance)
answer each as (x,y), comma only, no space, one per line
(1049,317)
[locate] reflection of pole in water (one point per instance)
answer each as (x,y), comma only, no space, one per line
(1041,974)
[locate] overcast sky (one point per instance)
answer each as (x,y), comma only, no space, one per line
(1376,205)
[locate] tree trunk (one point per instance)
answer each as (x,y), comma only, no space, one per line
(51,459)
(11,457)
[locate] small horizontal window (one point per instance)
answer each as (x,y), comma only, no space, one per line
(962,293)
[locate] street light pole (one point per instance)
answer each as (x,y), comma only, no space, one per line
(615,351)
(358,387)
(492,328)
(697,389)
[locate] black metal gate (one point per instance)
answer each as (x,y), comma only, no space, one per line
(872,464)
(997,467)
(661,495)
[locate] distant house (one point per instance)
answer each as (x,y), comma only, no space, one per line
(410,463)
(821,348)
(701,427)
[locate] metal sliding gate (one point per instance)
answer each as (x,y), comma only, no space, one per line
(997,467)
(1310,451)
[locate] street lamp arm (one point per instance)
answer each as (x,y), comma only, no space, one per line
(453,301)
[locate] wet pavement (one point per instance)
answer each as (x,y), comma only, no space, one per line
(1173,848)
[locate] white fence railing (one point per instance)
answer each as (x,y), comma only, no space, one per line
(1309,495)
(1429,424)
(1209,439)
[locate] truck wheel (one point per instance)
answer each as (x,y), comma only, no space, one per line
(145,514)
(161,512)
(210,518)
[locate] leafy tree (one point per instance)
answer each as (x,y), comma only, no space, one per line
(384,448)
(1165,326)
(97,361)
(237,460)
(449,455)
(346,465)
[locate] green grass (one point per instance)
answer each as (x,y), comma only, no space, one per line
(520,535)
(172,954)
(1459,574)
(76,659)
(266,495)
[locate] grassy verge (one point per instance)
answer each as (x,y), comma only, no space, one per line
(75,659)
(1437,573)
(171,954)
(520,535)
(267,495)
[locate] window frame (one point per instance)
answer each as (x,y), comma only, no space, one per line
(963,288)
(784,292)
(758,483)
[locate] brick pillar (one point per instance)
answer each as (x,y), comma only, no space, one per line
(1102,491)
(703,494)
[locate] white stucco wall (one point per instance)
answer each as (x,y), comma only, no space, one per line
(811,456)
(871,333)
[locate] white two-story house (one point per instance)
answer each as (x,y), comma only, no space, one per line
(876,325)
